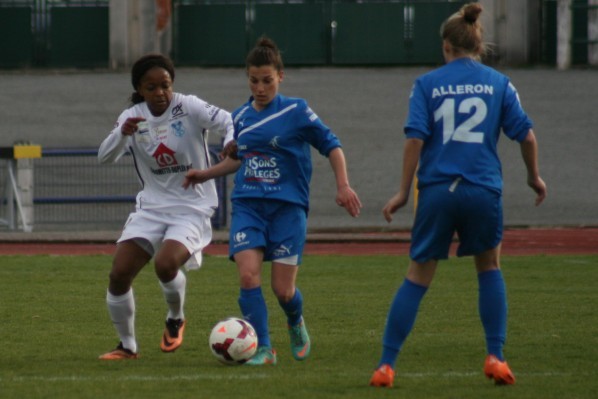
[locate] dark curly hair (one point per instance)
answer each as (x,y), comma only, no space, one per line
(144,64)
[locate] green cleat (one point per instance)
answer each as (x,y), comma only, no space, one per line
(300,343)
(264,355)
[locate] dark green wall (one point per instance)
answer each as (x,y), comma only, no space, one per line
(314,33)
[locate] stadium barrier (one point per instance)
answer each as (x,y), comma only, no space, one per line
(67,189)
(17,201)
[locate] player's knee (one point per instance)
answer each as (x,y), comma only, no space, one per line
(166,269)
(120,281)
(248,279)
(283,294)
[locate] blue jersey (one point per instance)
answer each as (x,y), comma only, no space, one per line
(458,110)
(274,147)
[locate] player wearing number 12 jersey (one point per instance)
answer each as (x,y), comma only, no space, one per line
(456,114)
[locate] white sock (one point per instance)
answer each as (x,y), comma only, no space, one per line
(122,313)
(174,293)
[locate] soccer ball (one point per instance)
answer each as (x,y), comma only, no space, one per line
(233,341)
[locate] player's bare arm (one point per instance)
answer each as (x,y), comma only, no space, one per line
(411,154)
(529,152)
(198,176)
(345,196)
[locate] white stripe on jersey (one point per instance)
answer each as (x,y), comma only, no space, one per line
(268,119)
(240,114)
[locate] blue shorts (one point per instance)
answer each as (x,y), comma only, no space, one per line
(278,227)
(472,211)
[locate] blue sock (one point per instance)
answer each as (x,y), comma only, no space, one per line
(401,318)
(493,310)
(294,308)
(253,307)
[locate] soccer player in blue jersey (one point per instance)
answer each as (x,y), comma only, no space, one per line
(274,135)
(456,113)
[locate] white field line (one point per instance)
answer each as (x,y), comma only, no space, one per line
(197,377)
(81,378)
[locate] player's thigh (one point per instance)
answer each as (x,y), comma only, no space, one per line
(185,235)
(146,229)
(129,259)
(434,224)
(287,230)
(480,225)
(248,227)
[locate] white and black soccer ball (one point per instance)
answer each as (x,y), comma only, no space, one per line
(233,341)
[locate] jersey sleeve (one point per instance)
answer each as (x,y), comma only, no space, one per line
(417,124)
(114,146)
(317,134)
(516,123)
(214,119)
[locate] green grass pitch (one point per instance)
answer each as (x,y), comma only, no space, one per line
(54,324)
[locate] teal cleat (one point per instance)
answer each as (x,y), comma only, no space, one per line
(300,343)
(264,355)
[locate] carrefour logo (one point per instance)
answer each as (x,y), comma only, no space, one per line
(240,236)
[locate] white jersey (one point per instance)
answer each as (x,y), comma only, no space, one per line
(165,148)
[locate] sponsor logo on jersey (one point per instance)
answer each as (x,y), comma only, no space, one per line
(274,142)
(212,111)
(177,110)
(282,251)
(311,114)
(179,129)
(240,239)
(165,157)
(240,236)
(261,168)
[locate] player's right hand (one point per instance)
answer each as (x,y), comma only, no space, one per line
(130,126)
(195,176)
(230,150)
(539,187)
(397,201)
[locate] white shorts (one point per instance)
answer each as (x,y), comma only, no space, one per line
(150,228)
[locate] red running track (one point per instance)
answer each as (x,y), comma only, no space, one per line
(515,242)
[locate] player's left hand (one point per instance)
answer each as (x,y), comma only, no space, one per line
(348,199)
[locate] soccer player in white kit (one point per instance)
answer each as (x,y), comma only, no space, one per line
(166,132)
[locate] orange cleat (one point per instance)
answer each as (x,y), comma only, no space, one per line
(120,353)
(383,377)
(499,371)
(173,335)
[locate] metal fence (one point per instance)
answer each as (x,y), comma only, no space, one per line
(56,33)
(72,191)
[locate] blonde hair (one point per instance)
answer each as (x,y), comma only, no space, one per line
(463,31)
